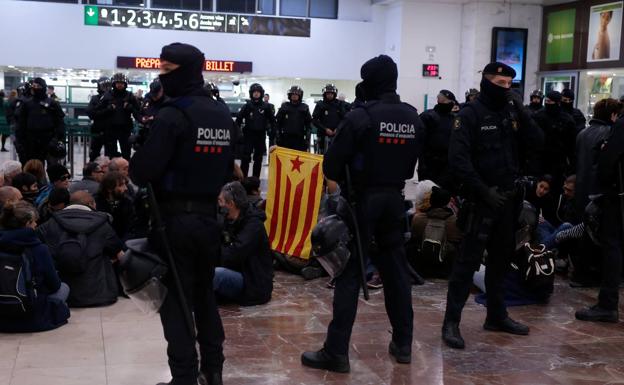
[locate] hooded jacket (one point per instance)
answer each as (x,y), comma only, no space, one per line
(97,284)
(47,314)
(249,254)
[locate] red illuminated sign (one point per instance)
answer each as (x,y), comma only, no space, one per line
(151,63)
(431,70)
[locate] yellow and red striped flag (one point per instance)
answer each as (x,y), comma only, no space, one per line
(293,200)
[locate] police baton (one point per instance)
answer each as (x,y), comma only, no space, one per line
(159,227)
(356,229)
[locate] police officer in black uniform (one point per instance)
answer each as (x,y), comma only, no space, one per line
(190,135)
(121,105)
(610,232)
(536,101)
(256,119)
(327,115)
(271,134)
(567,105)
(438,122)
(293,122)
(380,143)
(559,156)
(152,103)
(214,92)
(483,155)
(40,126)
(98,112)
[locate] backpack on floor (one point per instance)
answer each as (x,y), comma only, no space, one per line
(433,245)
(538,268)
(18,289)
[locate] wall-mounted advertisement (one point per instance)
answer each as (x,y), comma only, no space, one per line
(558,83)
(509,47)
(560,36)
(604,32)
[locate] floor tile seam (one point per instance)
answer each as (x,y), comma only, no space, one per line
(104,349)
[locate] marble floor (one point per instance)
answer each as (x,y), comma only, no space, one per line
(118,345)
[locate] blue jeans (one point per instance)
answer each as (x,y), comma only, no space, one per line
(61,294)
(547,233)
(228,283)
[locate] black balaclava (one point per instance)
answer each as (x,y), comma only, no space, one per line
(186,78)
(535,105)
(40,93)
(379,76)
(567,106)
(118,92)
(443,108)
(495,94)
(553,109)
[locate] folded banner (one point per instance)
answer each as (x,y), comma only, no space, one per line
(293,200)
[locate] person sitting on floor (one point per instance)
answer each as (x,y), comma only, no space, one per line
(49,310)
(246,272)
(9,194)
(59,178)
(252,188)
(56,201)
(112,199)
(92,175)
(84,246)
(10,168)
(27,185)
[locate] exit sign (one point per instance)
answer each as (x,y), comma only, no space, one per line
(431,70)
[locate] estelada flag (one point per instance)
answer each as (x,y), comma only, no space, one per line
(293,200)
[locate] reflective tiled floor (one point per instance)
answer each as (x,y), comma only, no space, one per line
(117,345)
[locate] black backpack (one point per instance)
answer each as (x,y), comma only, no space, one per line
(18,289)
(537,268)
(71,252)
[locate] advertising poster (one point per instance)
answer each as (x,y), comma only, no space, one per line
(510,45)
(560,36)
(604,32)
(558,83)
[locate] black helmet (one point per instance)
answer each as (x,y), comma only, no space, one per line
(472,92)
(103,84)
(57,150)
(119,78)
(24,89)
(330,244)
(295,90)
(537,94)
(141,273)
(212,89)
(330,88)
(256,87)
(591,218)
(155,86)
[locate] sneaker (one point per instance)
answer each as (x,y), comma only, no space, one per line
(401,355)
(597,314)
(508,326)
(451,335)
(322,359)
(375,282)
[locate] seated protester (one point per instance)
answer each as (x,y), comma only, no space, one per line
(538,192)
(252,188)
(49,310)
(84,247)
(563,208)
(122,166)
(104,162)
(92,175)
(9,194)
(112,199)
(35,167)
(27,185)
(246,272)
(59,179)
(56,201)
(435,235)
(10,168)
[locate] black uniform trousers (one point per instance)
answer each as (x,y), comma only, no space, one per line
(611,234)
(382,215)
(119,134)
(37,147)
(253,142)
(494,231)
(98,141)
(294,142)
(194,240)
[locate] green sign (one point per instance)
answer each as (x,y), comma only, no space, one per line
(91,15)
(560,36)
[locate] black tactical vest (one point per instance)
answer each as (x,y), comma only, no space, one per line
(42,116)
(294,119)
(256,116)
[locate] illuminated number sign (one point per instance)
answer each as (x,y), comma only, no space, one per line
(152,63)
(431,70)
(195,21)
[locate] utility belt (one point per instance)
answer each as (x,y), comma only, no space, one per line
(189,206)
(476,218)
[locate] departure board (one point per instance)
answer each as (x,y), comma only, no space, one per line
(195,21)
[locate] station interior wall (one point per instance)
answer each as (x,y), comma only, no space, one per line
(53,36)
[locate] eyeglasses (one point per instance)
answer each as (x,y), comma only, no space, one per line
(65,177)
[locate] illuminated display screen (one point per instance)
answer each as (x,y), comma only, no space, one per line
(195,21)
(151,63)
(431,70)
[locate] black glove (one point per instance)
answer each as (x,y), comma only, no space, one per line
(515,99)
(494,199)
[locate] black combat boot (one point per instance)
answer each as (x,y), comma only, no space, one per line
(451,335)
(597,314)
(507,325)
(401,355)
(325,360)
(210,378)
